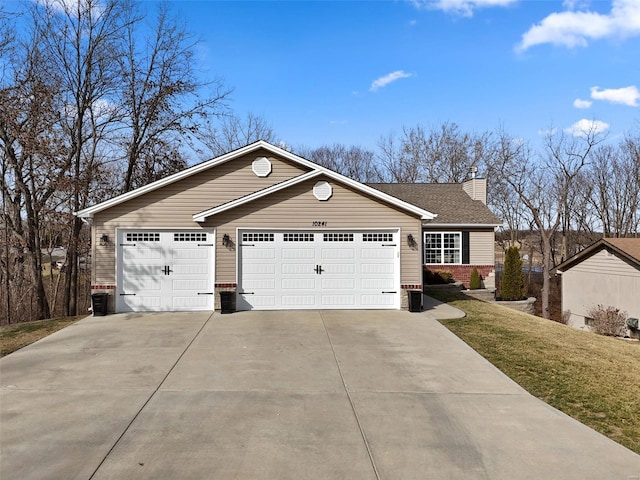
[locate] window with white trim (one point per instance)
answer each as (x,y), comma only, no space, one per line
(443,247)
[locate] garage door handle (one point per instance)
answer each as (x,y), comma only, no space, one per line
(205,244)
(205,293)
(125,294)
(389,292)
(127,244)
(247,293)
(389,245)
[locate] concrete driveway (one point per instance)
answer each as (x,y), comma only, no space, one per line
(280,395)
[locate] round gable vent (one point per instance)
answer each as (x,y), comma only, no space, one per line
(261,166)
(322,191)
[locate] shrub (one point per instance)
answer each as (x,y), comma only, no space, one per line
(437,277)
(474,280)
(608,321)
(512,285)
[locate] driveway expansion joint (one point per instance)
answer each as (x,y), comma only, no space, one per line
(353,407)
(153,393)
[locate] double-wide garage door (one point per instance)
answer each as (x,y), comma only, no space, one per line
(165,271)
(318,270)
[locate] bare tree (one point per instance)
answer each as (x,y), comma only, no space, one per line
(353,162)
(442,154)
(614,185)
(396,166)
(233,132)
(84,39)
(544,184)
(161,97)
(34,162)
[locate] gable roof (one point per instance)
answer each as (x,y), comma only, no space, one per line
(626,248)
(261,144)
(452,204)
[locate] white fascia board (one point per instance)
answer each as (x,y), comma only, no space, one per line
(202,216)
(88,212)
(461,225)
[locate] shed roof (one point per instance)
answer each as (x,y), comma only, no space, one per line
(448,200)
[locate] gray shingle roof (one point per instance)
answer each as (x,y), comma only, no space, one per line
(448,200)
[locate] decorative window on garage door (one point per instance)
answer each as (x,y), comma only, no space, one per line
(377,237)
(143,237)
(190,237)
(257,237)
(338,237)
(298,237)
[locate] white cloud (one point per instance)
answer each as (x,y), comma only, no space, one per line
(585,127)
(387,79)
(575,28)
(579,103)
(626,95)
(461,7)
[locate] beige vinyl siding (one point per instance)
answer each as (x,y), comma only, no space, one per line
(482,247)
(602,279)
(297,208)
(173,205)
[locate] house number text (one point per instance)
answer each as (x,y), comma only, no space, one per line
(318,223)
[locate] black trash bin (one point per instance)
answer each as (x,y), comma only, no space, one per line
(226,302)
(99,304)
(415,300)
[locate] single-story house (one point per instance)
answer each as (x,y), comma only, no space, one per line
(606,273)
(280,232)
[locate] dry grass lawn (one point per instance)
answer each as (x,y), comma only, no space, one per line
(592,378)
(14,337)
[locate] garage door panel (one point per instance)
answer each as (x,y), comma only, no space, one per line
(329,300)
(200,302)
(318,270)
(189,253)
(259,284)
(260,269)
(299,300)
(132,284)
(384,253)
(298,283)
(377,283)
(377,268)
(338,283)
(338,254)
(190,269)
(298,253)
(298,268)
(164,270)
(252,253)
(387,300)
(139,270)
(138,253)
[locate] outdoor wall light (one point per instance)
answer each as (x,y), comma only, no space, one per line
(104,240)
(411,240)
(226,240)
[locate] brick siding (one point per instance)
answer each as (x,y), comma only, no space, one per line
(462,273)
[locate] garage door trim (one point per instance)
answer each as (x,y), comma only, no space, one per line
(120,235)
(395,290)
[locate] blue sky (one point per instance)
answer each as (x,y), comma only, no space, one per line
(348,72)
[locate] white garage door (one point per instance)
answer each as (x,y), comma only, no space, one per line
(318,270)
(164,271)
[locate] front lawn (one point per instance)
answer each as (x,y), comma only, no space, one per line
(14,337)
(592,378)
